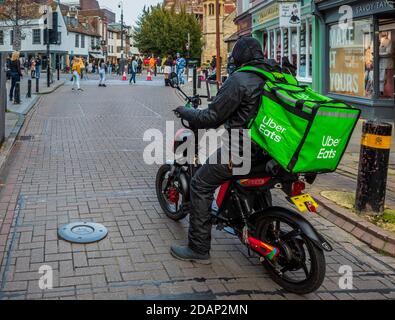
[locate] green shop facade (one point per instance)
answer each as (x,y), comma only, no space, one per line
(297,43)
(357,55)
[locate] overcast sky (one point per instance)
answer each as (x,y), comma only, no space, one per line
(132,8)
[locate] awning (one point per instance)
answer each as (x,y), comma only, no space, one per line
(97,55)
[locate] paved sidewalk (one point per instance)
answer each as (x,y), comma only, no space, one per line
(79,157)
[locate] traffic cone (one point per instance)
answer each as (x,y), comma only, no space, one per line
(124,76)
(149,78)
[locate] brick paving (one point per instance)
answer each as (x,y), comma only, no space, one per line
(79,157)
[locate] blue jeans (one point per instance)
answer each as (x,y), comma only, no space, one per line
(14,79)
(133,77)
(180,74)
(38,71)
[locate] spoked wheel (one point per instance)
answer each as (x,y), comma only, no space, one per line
(300,265)
(169,194)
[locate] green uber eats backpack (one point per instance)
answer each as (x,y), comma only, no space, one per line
(305,132)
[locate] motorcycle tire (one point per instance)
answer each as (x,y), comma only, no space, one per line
(316,255)
(175,215)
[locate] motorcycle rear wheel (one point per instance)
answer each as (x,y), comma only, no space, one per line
(301,248)
(172,210)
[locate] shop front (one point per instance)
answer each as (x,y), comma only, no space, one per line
(285,30)
(359,54)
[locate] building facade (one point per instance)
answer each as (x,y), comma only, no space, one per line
(358,55)
(285,29)
(205,11)
(80,33)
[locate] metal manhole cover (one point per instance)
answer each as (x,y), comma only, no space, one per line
(82,232)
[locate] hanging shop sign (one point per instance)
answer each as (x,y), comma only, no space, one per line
(265,15)
(290,14)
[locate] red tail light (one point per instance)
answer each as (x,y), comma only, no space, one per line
(297,188)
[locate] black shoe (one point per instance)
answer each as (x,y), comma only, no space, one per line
(104,85)
(187,254)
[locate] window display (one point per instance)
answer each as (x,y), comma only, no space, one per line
(386,52)
(351,64)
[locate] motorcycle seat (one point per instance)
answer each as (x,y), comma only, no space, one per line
(257,171)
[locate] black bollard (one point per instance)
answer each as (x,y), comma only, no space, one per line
(37,85)
(373,167)
(29,88)
(17,96)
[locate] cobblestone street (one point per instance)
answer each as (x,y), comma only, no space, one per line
(79,156)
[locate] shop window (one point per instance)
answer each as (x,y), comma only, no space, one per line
(386,59)
(306,57)
(278,46)
(351,67)
(1,37)
(36,36)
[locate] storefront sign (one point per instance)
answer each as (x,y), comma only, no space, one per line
(265,15)
(371,7)
(361,9)
(290,14)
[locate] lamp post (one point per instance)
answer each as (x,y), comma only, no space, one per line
(46,22)
(120,5)
(218,43)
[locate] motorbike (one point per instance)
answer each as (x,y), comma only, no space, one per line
(286,243)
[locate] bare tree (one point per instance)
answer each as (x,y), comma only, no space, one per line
(17,14)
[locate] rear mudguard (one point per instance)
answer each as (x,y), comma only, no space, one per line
(305,226)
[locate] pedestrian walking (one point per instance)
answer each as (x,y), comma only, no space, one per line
(139,65)
(159,64)
(168,69)
(102,73)
(33,68)
(152,64)
(134,67)
(180,68)
(16,74)
(26,67)
(76,69)
(38,66)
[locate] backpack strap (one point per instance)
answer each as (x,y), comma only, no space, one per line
(272,76)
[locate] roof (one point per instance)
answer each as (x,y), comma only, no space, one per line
(232,38)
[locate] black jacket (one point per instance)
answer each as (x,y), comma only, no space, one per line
(234,105)
(238,99)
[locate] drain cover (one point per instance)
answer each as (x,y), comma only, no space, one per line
(82,232)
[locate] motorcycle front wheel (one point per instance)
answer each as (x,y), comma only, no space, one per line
(168,191)
(300,265)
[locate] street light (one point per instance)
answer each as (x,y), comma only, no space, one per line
(46,21)
(120,5)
